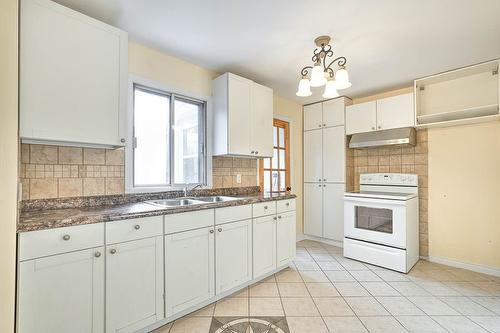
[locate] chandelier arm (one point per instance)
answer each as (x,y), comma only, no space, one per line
(305,70)
(328,53)
(316,55)
(331,72)
(341,61)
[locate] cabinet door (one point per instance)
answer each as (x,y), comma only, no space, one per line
(286,237)
(73,76)
(361,118)
(313,212)
(313,117)
(239,104)
(62,293)
(334,154)
(313,156)
(264,245)
(333,211)
(189,269)
(261,141)
(233,255)
(395,112)
(333,112)
(134,284)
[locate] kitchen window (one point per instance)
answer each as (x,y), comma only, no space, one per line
(168,139)
(274,173)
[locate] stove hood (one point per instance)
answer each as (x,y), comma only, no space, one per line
(399,136)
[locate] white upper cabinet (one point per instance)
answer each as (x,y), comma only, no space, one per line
(360,118)
(313,159)
(333,111)
(313,116)
(73,77)
(261,136)
(395,112)
(243,117)
(382,114)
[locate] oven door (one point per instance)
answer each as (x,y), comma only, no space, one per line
(379,221)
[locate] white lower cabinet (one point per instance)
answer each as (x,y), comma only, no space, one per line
(333,211)
(313,213)
(233,255)
(134,284)
(264,245)
(189,269)
(285,237)
(62,293)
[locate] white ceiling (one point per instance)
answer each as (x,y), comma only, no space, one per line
(387,43)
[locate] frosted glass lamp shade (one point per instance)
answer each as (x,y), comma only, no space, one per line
(317,76)
(330,90)
(342,79)
(304,88)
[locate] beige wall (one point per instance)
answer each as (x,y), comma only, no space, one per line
(8,160)
(292,112)
(464,193)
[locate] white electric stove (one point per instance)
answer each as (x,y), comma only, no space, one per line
(381,221)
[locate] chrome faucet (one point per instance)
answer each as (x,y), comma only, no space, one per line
(188,190)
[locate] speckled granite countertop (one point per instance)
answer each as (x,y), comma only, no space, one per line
(31,219)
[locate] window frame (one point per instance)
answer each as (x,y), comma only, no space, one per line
(205,163)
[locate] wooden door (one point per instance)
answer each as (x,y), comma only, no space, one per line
(361,118)
(233,255)
(313,209)
(334,154)
(189,269)
(333,211)
(62,293)
(264,245)
(134,284)
(313,116)
(274,173)
(313,161)
(285,237)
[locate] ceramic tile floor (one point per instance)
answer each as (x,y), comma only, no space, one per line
(324,292)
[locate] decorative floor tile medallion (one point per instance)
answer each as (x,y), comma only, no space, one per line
(249,325)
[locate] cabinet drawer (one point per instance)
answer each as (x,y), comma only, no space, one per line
(264,208)
(188,221)
(231,214)
(35,244)
(285,205)
(127,230)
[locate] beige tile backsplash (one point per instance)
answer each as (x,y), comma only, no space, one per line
(57,171)
(398,160)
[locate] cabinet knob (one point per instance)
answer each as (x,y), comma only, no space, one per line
(319,180)
(252,152)
(274,218)
(256,152)
(97,254)
(219,230)
(287,204)
(324,125)
(66,237)
(373,127)
(122,140)
(279,216)
(112,251)
(211,231)
(324,185)
(319,185)
(319,125)
(379,127)
(137,227)
(324,180)
(265,207)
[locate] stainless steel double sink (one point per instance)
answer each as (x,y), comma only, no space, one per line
(179,202)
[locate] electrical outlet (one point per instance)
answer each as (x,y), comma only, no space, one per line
(238,178)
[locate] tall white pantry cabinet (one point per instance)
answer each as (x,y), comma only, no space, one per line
(324,168)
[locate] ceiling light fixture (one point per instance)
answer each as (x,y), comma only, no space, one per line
(321,73)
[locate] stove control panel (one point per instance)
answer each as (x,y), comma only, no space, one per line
(394,179)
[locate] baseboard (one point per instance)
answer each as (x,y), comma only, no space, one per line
(319,239)
(465,265)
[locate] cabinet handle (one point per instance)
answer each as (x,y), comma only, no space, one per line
(66,237)
(219,230)
(122,140)
(373,127)
(137,227)
(97,254)
(112,251)
(211,231)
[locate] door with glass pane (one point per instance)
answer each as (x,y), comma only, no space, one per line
(274,173)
